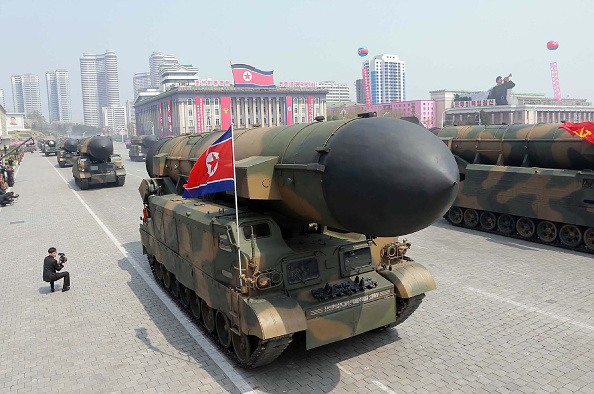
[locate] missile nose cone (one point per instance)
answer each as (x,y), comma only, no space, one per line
(388,177)
(101,147)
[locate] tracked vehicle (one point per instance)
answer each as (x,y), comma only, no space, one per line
(320,208)
(139,146)
(49,147)
(534,182)
(68,153)
(96,164)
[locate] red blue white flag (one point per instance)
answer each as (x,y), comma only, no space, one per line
(246,76)
(214,171)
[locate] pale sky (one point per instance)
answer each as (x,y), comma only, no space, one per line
(446,44)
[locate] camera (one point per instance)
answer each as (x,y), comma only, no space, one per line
(62,258)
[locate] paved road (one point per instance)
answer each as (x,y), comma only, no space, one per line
(508,317)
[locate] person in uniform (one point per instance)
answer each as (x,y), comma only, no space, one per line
(499,91)
(50,270)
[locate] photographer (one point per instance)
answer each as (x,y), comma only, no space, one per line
(51,267)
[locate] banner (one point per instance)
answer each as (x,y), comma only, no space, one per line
(310,109)
(169,125)
(199,114)
(367,87)
(583,130)
(246,76)
(289,110)
(161,117)
(225,112)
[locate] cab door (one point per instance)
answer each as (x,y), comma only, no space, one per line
(224,255)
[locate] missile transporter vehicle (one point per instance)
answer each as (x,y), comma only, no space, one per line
(139,146)
(534,182)
(320,208)
(68,152)
(97,164)
(49,147)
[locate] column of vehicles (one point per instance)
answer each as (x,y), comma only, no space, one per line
(315,249)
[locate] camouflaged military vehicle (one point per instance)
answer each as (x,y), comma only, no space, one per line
(96,164)
(320,208)
(534,182)
(49,147)
(68,153)
(139,146)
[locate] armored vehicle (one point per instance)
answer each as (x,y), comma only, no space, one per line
(49,147)
(68,152)
(96,163)
(320,208)
(139,146)
(534,182)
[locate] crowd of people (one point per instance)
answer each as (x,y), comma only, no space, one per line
(7,169)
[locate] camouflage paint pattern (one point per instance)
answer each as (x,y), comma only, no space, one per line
(540,176)
(139,146)
(88,170)
(49,147)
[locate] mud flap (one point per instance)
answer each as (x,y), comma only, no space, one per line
(272,317)
(410,279)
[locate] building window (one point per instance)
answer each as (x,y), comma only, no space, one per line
(190,102)
(216,101)
(207,101)
(303,119)
(217,122)
(216,111)
(190,113)
(190,123)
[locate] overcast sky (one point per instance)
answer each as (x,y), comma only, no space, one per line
(446,44)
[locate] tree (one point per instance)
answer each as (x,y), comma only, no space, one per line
(34,120)
(485,117)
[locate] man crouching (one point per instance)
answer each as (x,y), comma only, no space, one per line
(51,267)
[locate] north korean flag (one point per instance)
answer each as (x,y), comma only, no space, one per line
(246,76)
(214,170)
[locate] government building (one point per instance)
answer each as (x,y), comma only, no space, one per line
(195,109)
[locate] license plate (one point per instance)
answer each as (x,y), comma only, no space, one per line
(94,168)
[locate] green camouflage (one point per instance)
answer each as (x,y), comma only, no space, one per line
(89,170)
(64,157)
(49,147)
(139,146)
(533,182)
(296,275)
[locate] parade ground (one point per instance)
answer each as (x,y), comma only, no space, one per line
(508,316)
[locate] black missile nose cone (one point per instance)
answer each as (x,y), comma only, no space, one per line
(101,147)
(388,177)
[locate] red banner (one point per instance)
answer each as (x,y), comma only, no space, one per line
(583,130)
(200,114)
(169,125)
(245,75)
(310,109)
(225,112)
(161,117)
(289,110)
(367,87)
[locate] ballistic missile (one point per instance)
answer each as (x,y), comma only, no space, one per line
(98,147)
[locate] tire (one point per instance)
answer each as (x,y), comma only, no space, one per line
(83,184)
(121,180)
(62,164)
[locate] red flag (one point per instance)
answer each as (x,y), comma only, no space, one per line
(248,76)
(584,130)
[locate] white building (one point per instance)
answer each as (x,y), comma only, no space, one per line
(100,87)
(156,60)
(142,81)
(2,101)
(387,78)
(130,114)
(25,93)
(114,118)
(177,75)
(337,92)
(58,95)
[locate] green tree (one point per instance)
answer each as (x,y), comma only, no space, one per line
(485,117)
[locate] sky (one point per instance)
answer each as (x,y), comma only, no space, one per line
(456,44)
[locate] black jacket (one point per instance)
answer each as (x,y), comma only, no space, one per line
(499,92)
(50,267)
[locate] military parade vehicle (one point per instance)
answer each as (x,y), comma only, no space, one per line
(49,147)
(321,207)
(534,182)
(97,164)
(139,146)
(68,152)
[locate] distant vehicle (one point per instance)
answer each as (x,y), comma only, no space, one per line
(50,147)
(140,145)
(96,164)
(67,154)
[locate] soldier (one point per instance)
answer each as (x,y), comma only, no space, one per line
(499,91)
(51,268)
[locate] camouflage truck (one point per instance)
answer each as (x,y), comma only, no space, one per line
(68,152)
(534,182)
(96,164)
(321,206)
(139,146)
(50,147)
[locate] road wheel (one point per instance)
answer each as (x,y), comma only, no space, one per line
(455,215)
(546,231)
(488,220)
(174,286)
(526,227)
(223,329)
(62,164)
(244,346)
(208,316)
(589,238)
(195,305)
(151,261)
(158,271)
(570,235)
(166,278)
(83,184)
(471,218)
(121,180)
(506,223)
(184,295)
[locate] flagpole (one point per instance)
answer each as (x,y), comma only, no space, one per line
(236,213)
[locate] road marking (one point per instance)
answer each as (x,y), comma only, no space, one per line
(383,387)
(204,343)
(8,189)
(343,369)
(532,309)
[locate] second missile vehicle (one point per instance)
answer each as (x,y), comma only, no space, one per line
(321,206)
(49,147)
(97,164)
(68,153)
(139,146)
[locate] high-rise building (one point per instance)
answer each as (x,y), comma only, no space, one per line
(157,60)
(387,78)
(2,101)
(142,81)
(131,116)
(58,95)
(100,87)
(360,93)
(114,118)
(25,93)
(174,75)
(337,92)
